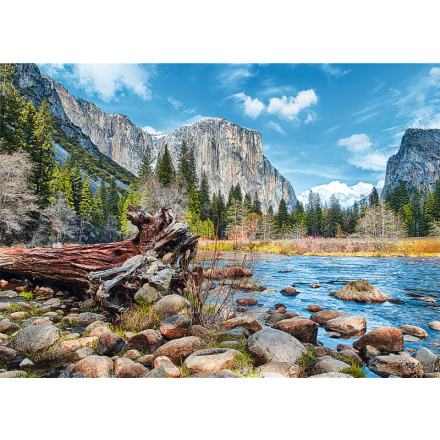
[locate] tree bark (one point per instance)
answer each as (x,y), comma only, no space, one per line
(72,265)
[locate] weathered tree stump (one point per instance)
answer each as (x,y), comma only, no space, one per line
(99,267)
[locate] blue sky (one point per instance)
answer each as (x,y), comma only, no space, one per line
(325,127)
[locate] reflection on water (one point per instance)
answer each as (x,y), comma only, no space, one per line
(405,284)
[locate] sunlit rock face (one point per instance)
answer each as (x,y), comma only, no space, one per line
(417,162)
(227,152)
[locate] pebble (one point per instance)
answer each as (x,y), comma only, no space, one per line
(26,363)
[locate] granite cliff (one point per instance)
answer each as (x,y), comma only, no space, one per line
(227,152)
(417,162)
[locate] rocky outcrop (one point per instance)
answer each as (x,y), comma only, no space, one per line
(228,153)
(417,162)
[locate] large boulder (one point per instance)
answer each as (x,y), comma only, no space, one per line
(175,326)
(274,345)
(210,360)
(171,305)
(412,330)
(147,341)
(304,330)
(248,323)
(398,365)
(346,325)
(387,339)
(430,362)
(126,368)
(94,366)
(35,338)
(325,315)
(329,365)
(179,349)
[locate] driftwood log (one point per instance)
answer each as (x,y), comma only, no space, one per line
(100,267)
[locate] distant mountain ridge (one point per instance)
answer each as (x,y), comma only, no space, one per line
(417,162)
(228,153)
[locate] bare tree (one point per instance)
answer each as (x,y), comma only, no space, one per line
(17,202)
(380,224)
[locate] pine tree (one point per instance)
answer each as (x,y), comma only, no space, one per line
(373,199)
(192,179)
(145,167)
(76,182)
(101,202)
(42,154)
(165,169)
(282,217)
(237,195)
(182,163)
(10,109)
(87,204)
(193,203)
(267,226)
(113,199)
(28,126)
(204,197)
(256,205)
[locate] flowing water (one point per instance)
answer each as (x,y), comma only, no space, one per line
(404,283)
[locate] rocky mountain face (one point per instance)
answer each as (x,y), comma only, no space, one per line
(226,152)
(417,162)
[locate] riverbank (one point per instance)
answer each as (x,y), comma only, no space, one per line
(418,247)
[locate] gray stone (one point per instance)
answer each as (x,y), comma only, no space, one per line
(274,318)
(346,325)
(210,360)
(409,338)
(171,305)
(224,374)
(234,334)
(94,366)
(7,326)
(84,352)
(332,375)
(86,318)
(148,294)
(26,363)
(428,359)
(13,374)
(412,330)
(78,375)
(6,354)
(5,306)
(329,365)
(35,338)
(274,345)
(110,343)
(156,373)
(434,325)
(403,366)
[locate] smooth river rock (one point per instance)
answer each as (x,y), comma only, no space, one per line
(210,360)
(325,315)
(175,326)
(412,330)
(35,338)
(94,366)
(430,362)
(397,365)
(304,330)
(171,305)
(387,339)
(179,349)
(248,323)
(329,365)
(346,325)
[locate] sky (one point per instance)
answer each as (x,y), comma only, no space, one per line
(329,128)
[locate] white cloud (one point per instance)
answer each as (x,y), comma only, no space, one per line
(310,118)
(434,73)
(176,104)
(347,195)
(276,127)
(106,80)
(252,107)
(334,70)
(362,154)
(190,111)
(291,106)
(233,76)
(151,130)
(356,143)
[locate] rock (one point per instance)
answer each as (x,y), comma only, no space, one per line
(274,318)
(284,368)
(290,315)
(110,343)
(246,301)
(94,325)
(171,305)
(332,375)
(304,330)
(170,369)
(178,349)
(326,351)
(314,308)
(6,354)
(274,345)
(329,365)
(13,374)
(147,341)
(412,330)
(98,331)
(94,366)
(408,338)
(429,299)
(246,322)
(7,326)
(84,352)
(387,339)
(200,332)
(146,359)
(132,354)
(289,291)
(148,294)
(360,291)
(235,334)
(26,363)
(341,347)
(53,302)
(87,304)
(5,306)
(157,373)
(126,368)
(78,375)
(334,335)
(403,366)
(369,352)
(35,338)
(271,375)
(325,315)
(224,374)
(42,321)
(432,375)
(281,310)
(240,309)
(86,318)
(175,326)
(210,360)
(352,355)
(346,325)
(430,362)
(76,344)
(315,286)
(435,325)
(17,315)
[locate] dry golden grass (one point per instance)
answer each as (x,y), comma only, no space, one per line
(361,291)
(228,271)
